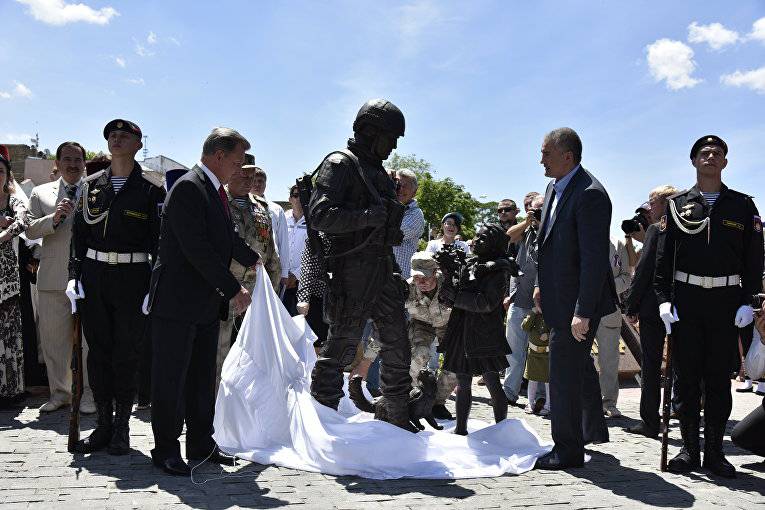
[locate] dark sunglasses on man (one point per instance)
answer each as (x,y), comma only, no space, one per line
(503,210)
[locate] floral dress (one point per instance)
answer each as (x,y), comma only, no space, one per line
(11,342)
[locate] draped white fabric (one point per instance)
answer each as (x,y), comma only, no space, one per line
(265,413)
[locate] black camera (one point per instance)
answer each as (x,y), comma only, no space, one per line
(633,224)
(537,214)
(757,301)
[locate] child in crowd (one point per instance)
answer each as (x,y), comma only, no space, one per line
(537,363)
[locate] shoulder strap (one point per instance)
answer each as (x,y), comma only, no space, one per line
(372,190)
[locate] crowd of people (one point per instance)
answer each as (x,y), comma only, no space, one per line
(161,272)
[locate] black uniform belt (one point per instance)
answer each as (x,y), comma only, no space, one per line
(708,282)
(117,258)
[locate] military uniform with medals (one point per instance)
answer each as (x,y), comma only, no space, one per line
(114,240)
(709,263)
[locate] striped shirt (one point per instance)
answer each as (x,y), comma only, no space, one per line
(241,202)
(710,197)
(118,182)
(412,225)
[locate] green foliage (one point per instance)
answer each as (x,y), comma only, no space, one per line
(437,197)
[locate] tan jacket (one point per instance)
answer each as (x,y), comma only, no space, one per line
(53,272)
(425,310)
(620,267)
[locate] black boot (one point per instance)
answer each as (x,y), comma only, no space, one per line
(714,460)
(689,458)
(120,441)
(101,436)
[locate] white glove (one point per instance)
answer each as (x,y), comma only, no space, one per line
(668,314)
(74,292)
(744,316)
(145,305)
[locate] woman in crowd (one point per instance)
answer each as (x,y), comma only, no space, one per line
(749,433)
(474,343)
(13,221)
(451,226)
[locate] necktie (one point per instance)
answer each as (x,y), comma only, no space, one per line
(224,199)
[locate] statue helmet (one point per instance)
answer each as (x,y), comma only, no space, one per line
(381,114)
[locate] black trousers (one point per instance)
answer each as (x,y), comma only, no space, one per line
(144,369)
(183,386)
(704,351)
(748,433)
(576,409)
(652,335)
(290,300)
(114,326)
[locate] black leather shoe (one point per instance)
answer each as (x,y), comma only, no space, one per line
(684,462)
(217,457)
(552,461)
(719,465)
(173,466)
(642,429)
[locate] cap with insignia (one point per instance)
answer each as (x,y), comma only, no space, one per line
(122,125)
(5,156)
(249,161)
(423,264)
(709,140)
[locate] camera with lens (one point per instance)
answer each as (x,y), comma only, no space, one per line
(537,214)
(633,224)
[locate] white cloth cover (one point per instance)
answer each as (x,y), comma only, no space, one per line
(265,413)
(754,363)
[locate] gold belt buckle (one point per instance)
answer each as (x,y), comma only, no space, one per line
(707,282)
(112,258)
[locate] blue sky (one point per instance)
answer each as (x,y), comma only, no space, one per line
(480,82)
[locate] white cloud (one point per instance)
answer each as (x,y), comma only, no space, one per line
(137,81)
(151,38)
(120,62)
(13,138)
(174,41)
(414,20)
(19,90)
(58,12)
(142,51)
(754,79)
(758,30)
(714,34)
(672,61)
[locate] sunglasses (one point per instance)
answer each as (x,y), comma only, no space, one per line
(506,210)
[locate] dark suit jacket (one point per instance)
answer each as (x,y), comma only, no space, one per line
(574,273)
(641,298)
(191,278)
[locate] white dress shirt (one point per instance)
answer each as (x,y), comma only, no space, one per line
(297,235)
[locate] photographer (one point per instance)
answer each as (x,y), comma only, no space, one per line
(747,433)
(641,305)
(635,228)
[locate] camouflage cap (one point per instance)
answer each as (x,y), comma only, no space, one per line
(423,264)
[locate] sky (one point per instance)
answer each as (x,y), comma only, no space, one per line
(480,82)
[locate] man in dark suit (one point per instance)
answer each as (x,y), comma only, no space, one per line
(191,287)
(575,288)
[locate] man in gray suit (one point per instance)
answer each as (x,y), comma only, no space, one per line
(51,211)
(575,288)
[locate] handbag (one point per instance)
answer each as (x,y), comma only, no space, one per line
(754,363)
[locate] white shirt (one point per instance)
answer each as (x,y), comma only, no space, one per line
(297,235)
(435,246)
(215,181)
(281,236)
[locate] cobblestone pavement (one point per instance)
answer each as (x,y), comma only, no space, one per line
(37,472)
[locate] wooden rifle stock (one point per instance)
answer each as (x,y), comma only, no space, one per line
(77,369)
(666,404)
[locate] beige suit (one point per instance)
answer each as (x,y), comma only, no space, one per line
(55,319)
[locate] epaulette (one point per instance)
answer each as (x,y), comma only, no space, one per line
(93,177)
(740,194)
(153,177)
(678,194)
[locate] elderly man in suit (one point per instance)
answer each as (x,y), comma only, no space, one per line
(51,211)
(575,288)
(191,288)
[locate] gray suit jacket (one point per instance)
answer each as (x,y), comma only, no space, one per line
(54,253)
(574,271)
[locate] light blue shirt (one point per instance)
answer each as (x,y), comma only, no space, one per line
(559,186)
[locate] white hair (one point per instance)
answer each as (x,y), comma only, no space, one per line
(408,174)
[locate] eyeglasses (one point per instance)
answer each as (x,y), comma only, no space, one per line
(503,210)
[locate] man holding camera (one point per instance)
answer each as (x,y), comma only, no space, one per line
(709,263)
(641,306)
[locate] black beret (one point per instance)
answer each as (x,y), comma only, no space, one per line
(122,125)
(709,140)
(457,217)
